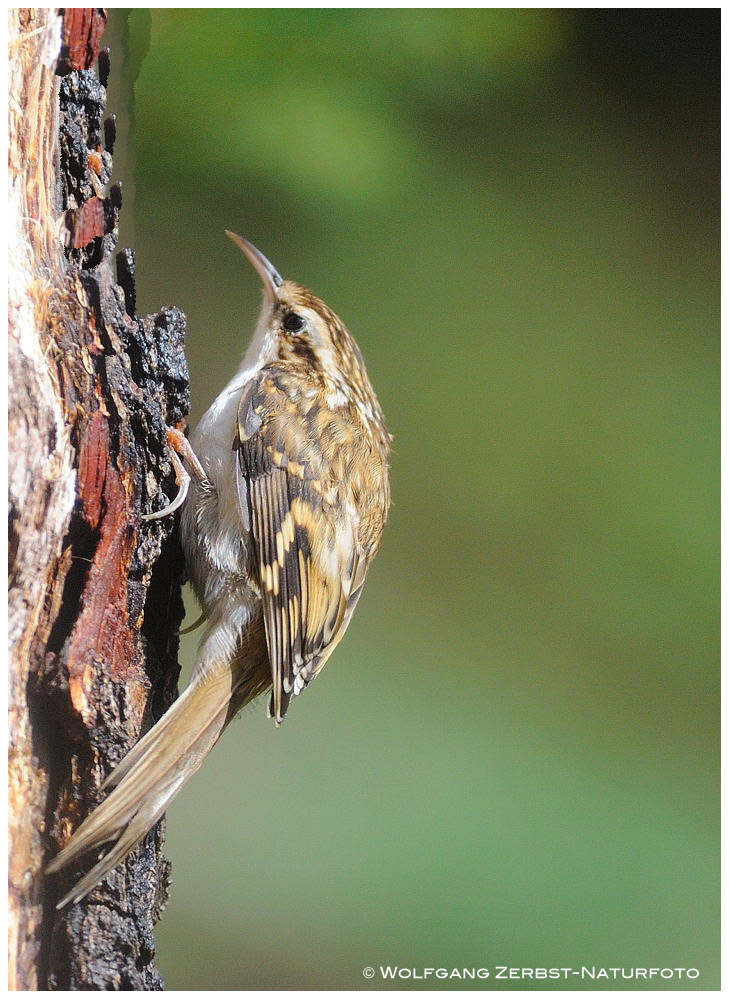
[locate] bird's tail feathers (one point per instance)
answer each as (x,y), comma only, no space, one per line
(153,772)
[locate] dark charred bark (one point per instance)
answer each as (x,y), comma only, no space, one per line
(95,592)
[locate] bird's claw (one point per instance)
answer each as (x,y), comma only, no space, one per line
(178,445)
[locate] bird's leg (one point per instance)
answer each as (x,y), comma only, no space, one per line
(178,444)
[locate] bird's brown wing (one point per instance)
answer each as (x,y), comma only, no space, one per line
(310,568)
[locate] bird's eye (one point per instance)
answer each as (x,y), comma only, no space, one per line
(293,323)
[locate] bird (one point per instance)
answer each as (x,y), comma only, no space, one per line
(281,513)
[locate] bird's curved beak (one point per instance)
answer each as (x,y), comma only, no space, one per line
(271,278)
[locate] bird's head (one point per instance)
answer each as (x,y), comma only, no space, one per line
(295,325)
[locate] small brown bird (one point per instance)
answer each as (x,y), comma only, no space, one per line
(288,500)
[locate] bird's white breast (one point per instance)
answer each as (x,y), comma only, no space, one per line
(216,543)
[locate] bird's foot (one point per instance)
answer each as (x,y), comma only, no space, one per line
(179,447)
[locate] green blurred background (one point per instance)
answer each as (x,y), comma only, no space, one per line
(512,758)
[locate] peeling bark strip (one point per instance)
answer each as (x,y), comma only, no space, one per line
(82,30)
(96,217)
(94,600)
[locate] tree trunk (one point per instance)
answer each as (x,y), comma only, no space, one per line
(94,592)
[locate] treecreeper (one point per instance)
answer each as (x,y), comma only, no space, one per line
(282,512)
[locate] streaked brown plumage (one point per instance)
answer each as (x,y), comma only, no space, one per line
(284,516)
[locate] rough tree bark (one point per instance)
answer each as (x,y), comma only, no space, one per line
(94,592)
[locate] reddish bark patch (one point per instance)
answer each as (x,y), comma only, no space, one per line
(87,222)
(95,162)
(92,469)
(82,30)
(103,635)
